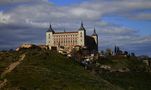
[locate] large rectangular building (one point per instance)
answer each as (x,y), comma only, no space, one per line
(69,40)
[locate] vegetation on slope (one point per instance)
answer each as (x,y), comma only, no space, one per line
(7,58)
(45,70)
(129,80)
(132,64)
(136,78)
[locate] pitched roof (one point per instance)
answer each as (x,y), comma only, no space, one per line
(50,29)
(82,27)
(94,33)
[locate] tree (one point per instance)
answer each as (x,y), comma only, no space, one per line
(108,52)
(115,50)
(133,54)
(102,52)
(125,53)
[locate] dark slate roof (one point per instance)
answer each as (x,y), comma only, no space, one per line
(50,29)
(94,33)
(82,27)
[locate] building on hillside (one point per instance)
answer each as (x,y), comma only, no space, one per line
(32,46)
(69,40)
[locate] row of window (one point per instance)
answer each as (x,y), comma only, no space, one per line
(57,36)
(65,39)
(74,41)
(65,44)
(70,35)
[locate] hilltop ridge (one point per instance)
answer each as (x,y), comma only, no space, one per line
(48,70)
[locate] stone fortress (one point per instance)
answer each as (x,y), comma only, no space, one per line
(70,40)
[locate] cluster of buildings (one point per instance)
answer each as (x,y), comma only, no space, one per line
(68,40)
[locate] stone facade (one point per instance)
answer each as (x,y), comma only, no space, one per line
(69,40)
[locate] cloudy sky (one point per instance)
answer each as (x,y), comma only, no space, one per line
(125,23)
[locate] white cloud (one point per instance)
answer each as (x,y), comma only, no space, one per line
(4,18)
(37,24)
(39,14)
(85,11)
(10,2)
(143,16)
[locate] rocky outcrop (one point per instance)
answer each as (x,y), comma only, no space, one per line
(111,69)
(32,46)
(43,47)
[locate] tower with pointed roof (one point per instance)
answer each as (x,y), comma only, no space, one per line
(81,35)
(49,37)
(95,37)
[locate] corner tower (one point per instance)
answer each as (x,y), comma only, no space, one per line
(95,37)
(49,37)
(81,35)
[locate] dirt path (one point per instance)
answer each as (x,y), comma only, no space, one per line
(3,83)
(13,66)
(9,69)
